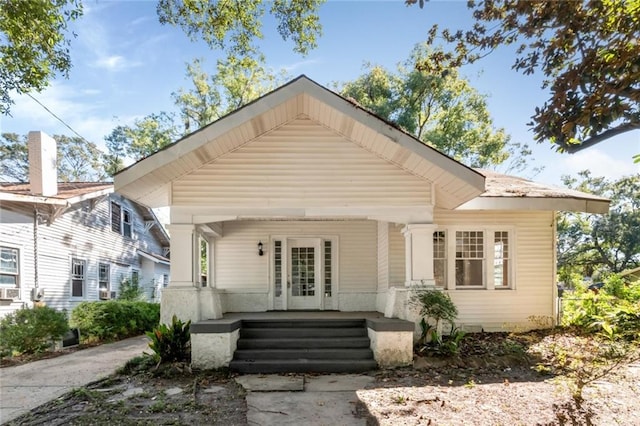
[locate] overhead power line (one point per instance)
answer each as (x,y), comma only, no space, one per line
(57,118)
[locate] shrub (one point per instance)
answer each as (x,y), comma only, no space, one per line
(434,304)
(31,330)
(171,343)
(114,319)
(130,290)
(613,312)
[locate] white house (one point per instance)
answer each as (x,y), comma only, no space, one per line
(63,243)
(306,201)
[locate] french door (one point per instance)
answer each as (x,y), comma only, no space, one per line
(304,282)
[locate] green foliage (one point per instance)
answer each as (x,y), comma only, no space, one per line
(171,343)
(114,319)
(233,28)
(440,109)
(34,45)
(613,312)
(587,52)
(77,159)
(130,290)
(434,304)
(588,243)
(444,345)
(31,330)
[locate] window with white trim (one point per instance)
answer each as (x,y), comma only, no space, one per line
(104,277)
(121,220)
(9,267)
(470,259)
(501,259)
(78,276)
(440,258)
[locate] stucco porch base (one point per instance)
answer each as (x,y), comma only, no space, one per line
(213,342)
(189,304)
(398,306)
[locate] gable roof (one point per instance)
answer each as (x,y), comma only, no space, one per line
(505,192)
(148,181)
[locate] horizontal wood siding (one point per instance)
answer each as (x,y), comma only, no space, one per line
(301,164)
(238,266)
(85,233)
(383,256)
(534,279)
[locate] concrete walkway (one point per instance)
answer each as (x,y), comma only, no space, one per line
(28,386)
(298,400)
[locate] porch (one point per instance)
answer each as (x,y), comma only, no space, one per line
(302,341)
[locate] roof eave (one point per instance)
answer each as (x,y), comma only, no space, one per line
(598,206)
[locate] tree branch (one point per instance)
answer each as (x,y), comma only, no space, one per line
(607,134)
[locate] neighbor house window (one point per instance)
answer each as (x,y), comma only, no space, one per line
(469,259)
(121,220)
(135,277)
(440,258)
(78,275)
(165,280)
(104,277)
(501,259)
(116,217)
(9,274)
(127,223)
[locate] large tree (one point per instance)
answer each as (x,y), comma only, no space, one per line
(590,242)
(588,52)
(234,26)
(442,110)
(78,160)
(34,44)
(234,84)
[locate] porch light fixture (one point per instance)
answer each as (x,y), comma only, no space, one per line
(260,252)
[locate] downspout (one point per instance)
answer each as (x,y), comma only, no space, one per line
(35,254)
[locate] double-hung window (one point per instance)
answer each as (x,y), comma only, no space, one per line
(9,270)
(78,276)
(470,259)
(121,220)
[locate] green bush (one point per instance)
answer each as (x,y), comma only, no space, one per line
(130,290)
(171,343)
(114,319)
(434,304)
(31,330)
(613,311)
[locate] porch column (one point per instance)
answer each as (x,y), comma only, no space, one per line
(182,258)
(182,297)
(419,254)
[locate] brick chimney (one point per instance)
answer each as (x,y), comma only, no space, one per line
(43,171)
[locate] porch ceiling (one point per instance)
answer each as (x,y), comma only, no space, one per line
(149,181)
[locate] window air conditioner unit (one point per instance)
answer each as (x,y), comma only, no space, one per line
(11,293)
(105,295)
(37,294)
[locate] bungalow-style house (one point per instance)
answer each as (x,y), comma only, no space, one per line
(64,243)
(311,204)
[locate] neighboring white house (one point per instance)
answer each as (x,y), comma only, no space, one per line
(307,201)
(64,243)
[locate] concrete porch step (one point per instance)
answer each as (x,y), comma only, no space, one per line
(303,323)
(298,332)
(289,354)
(303,366)
(298,343)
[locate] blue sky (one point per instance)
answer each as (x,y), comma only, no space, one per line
(126,65)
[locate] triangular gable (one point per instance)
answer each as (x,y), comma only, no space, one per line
(148,181)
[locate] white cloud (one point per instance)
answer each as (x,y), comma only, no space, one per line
(599,163)
(114,63)
(300,64)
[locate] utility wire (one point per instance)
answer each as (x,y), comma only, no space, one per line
(57,118)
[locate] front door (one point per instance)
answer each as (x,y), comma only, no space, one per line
(303,279)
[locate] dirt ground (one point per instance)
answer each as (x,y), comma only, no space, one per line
(492,383)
